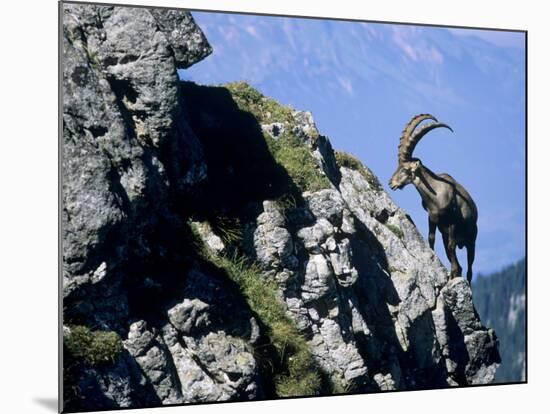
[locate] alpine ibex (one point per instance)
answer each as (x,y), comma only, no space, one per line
(450,208)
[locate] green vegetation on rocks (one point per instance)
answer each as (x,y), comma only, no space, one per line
(395,230)
(300,375)
(92,347)
(297,160)
(288,150)
(292,366)
(229,229)
(264,109)
(343,159)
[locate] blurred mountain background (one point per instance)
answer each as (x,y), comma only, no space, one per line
(500,301)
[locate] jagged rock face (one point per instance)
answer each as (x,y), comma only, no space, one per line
(120,114)
(377,306)
(127,153)
(372,300)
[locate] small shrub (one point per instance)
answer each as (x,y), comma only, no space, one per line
(287,202)
(346,160)
(343,159)
(229,229)
(93,347)
(338,387)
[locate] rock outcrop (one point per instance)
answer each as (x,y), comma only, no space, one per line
(355,278)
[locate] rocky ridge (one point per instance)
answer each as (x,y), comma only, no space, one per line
(148,184)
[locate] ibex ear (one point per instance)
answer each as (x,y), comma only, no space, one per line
(415,165)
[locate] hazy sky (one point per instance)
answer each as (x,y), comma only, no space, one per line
(363,82)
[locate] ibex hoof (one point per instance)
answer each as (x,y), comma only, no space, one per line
(455,273)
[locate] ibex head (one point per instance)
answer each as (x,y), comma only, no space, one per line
(404,174)
(407,166)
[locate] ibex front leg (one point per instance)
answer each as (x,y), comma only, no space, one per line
(450,248)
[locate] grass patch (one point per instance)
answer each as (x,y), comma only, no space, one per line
(300,375)
(343,159)
(296,159)
(93,347)
(83,347)
(395,230)
(288,359)
(229,229)
(287,150)
(228,121)
(265,110)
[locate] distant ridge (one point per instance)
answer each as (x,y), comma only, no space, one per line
(500,301)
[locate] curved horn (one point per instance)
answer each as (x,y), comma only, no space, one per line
(413,140)
(403,151)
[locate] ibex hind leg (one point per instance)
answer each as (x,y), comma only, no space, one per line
(450,249)
(471,256)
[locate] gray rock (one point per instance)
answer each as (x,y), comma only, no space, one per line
(189,316)
(304,127)
(127,149)
(397,299)
(155,361)
(272,242)
(311,292)
(316,236)
(119,108)
(275,130)
(117,385)
(185,37)
(214,367)
(318,278)
(327,204)
(385,382)
(425,298)
(341,260)
(189,360)
(213,242)
(477,351)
